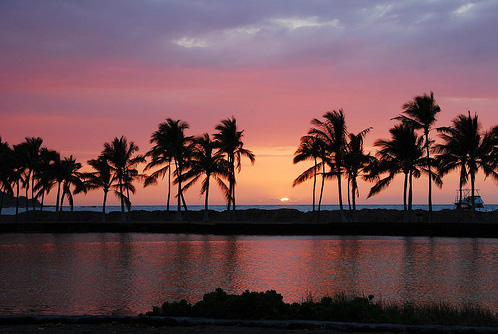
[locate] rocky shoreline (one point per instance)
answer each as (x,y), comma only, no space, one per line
(446,223)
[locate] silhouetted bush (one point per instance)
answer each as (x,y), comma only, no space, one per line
(341,308)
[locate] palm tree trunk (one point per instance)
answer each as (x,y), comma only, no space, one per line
(179,195)
(339,185)
(233,199)
(62,203)
(41,204)
(27,201)
(184,203)
(1,200)
(349,195)
(460,186)
(355,186)
(430,174)
(206,218)
(472,182)
(169,187)
(123,216)
(58,196)
(353,194)
(321,192)
(405,192)
(314,188)
(103,205)
(17,200)
(129,202)
(32,191)
(410,197)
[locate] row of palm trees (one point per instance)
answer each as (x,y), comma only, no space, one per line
(336,152)
(188,159)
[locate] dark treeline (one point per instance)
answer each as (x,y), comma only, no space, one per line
(410,150)
(38,170)
(184,160)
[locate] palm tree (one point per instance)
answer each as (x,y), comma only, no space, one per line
(332,132)
(161,156)
(101,178)
(204,161)
(229,141)
(466,147)
(5,171)
(72,178)
(121,157)
(19,175)
(421,113)
(355,163)
(403,153)
(170,143)
(45,174)
(311,148)
(33,147)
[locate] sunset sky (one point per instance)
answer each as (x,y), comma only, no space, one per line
(78,73)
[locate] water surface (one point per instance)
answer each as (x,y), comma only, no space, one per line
(128,273)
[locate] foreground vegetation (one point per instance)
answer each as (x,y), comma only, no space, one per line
(341,308)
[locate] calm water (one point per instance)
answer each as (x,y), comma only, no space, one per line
(128,273)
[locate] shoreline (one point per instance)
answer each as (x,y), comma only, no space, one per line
(145,324)
(375,222)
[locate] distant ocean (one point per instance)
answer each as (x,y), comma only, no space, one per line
(303,208)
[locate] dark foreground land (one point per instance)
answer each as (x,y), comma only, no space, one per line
(446,223)
(101,325)
(126,329)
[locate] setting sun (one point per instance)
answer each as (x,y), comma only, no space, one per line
(284,199)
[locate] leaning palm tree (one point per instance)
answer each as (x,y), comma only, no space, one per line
(403,153)
(467,148)
(170,144)
(101,178)
(229,141)
(311,148)
(421,113)
(332,132)
(205,161)
(356,161)
(122,158)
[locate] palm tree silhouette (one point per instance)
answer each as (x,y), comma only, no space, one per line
(122,159)
(71,178)
(311,148)
(101,178)
(5,171)
(171,143)
(229,141)
(403,153)
(20,175)
(421,113)
(33,147)
(466,147)
(45,175)
(204,161)
(332,132)
(356,161)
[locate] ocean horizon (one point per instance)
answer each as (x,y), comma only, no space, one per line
(220,208)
